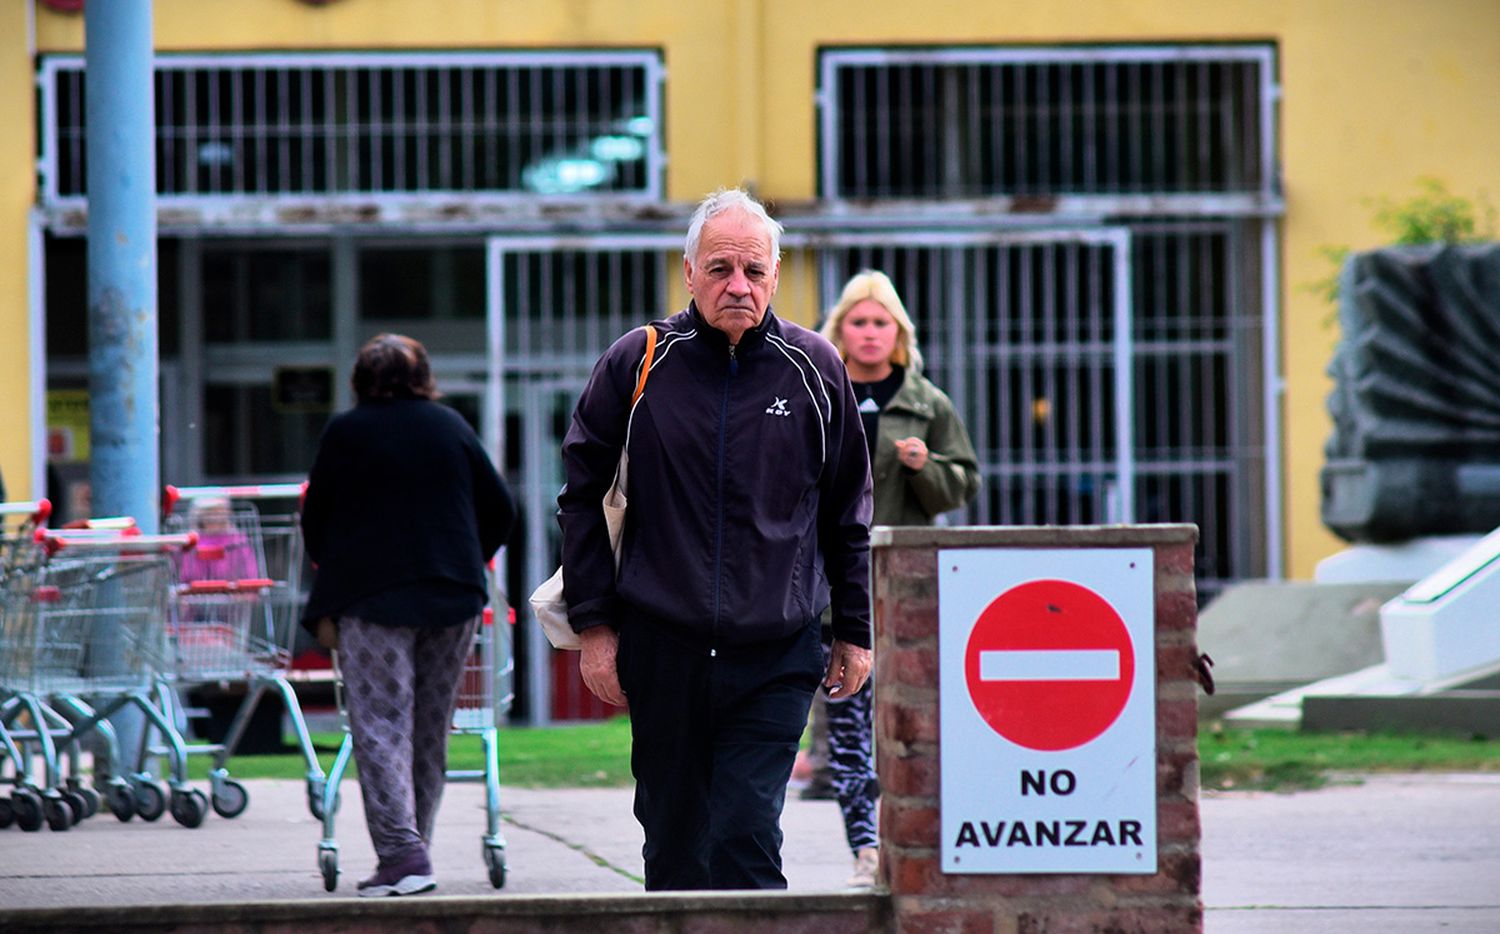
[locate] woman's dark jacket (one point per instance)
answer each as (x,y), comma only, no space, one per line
(749,486)
(401,493)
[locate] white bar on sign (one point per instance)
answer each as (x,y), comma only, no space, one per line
(1049,665)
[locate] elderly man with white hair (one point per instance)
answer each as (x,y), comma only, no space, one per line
(749,510)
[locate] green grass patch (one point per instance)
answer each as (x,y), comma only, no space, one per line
(586,755)
(1280,760)
(597,755)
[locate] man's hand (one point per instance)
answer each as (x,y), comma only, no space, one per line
(848,669)
(597,664)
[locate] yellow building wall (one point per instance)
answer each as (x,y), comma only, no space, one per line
(1375,94)
(17,192)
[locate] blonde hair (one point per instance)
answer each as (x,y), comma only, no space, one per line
(875,285)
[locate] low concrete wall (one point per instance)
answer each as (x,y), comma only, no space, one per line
(924,899)
(664,913)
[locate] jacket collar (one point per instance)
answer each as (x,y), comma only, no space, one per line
(912,396)
(751,338)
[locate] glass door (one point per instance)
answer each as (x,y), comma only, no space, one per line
(259,371)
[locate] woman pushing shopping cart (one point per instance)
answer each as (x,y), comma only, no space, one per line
(403,509)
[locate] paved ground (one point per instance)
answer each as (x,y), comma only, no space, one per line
(1396,853)
(1391,854)
(575,840)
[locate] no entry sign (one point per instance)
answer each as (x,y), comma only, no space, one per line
(1049,664)
(1047,715)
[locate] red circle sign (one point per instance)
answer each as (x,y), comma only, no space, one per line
(1049,665)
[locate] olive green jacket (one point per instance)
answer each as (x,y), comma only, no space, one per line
(948,480)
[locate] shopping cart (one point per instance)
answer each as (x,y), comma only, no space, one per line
(484,698)
(19,523)
(236,619)
(19,555)
(84,638)
(27,725)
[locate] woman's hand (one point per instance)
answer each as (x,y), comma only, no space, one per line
(912,452)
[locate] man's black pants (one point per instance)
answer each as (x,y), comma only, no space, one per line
(714,737)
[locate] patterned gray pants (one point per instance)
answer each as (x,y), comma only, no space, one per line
(851,762)
(400,687)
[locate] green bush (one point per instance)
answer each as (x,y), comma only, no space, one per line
(1433,215)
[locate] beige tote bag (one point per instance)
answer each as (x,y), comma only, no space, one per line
(547,603)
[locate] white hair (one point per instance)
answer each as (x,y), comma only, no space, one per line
(723,200)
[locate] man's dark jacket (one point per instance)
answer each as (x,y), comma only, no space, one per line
(749,486)
(402,492)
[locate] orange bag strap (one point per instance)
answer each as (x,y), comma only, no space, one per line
(640,385)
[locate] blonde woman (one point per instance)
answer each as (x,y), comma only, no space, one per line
(922,464)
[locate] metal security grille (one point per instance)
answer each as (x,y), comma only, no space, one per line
(1201,384)
(564,305)
(1174,144)
(536,123)
(1030,335)
(555,305)
(968,123)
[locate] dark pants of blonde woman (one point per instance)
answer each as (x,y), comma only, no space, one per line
(851,759)
(400,687)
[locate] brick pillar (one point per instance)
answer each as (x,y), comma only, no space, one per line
(924,899)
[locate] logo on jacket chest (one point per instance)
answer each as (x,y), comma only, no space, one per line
(778,408)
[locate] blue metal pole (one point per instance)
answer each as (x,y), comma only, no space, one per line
(125,470)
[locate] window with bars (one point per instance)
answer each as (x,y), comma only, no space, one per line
(313,124)
(564,306)
(969,123)
(1173,144)
(1021,334)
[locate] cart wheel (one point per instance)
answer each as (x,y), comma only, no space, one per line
(328,864)
(79,804)
(90,797)
(27,805)
(189,807)
(150,800)
(494,860)
(58,812)
(230,798)
(7,813)
(120,801)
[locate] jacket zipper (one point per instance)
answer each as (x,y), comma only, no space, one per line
(734,367)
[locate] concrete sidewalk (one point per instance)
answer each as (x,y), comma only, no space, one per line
(557,841)
(1393,853)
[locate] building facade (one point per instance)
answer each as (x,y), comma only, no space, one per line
(1105,217)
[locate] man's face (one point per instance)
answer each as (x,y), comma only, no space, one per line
(734,275)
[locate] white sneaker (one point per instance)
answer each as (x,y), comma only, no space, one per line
(866,862)
(411,876)
(406,885)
